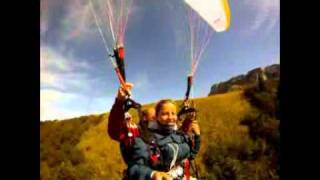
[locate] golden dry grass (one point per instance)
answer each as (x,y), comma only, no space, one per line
(219,117)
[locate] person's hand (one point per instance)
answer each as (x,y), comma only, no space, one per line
(186,103)
(194,127)
(122,91)
(159,175)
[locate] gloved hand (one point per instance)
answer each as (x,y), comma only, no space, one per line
(159,175)
(122,91)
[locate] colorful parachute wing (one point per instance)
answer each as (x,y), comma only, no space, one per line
(215,12)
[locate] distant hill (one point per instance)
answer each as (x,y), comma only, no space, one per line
(244,80)
(239,129)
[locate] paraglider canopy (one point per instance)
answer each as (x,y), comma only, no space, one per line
(215,12)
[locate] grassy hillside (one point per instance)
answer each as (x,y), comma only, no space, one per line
(79,148)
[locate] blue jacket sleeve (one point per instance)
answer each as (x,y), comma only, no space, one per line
(139,172)
(138,168)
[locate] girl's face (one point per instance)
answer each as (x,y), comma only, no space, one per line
(167,114)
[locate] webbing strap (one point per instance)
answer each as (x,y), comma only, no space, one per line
(175,149)
(186,169)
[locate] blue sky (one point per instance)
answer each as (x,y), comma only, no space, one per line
(77,79)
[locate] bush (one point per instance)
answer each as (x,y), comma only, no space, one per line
(222,163)
(66,172)
(76,157)
(256,158)
(45,171)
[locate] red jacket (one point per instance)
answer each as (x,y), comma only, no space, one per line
(118,128)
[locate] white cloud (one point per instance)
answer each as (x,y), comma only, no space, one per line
(267,13)
(276,60)
(61,71)
(78,22)
(63,77)
(50,105)
(59,105)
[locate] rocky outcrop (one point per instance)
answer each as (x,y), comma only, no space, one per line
(252,77)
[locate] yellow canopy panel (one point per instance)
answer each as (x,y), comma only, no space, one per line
(215,12)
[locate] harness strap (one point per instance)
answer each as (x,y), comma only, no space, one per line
(175,149)
(186,169)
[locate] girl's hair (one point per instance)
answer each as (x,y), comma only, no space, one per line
(161,103)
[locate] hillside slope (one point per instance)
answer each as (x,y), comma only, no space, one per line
(81,144)
(239,132)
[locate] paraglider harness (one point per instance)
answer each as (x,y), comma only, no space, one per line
(176,171)
(186,110)
(155,140)
(180,170)
(131,130)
